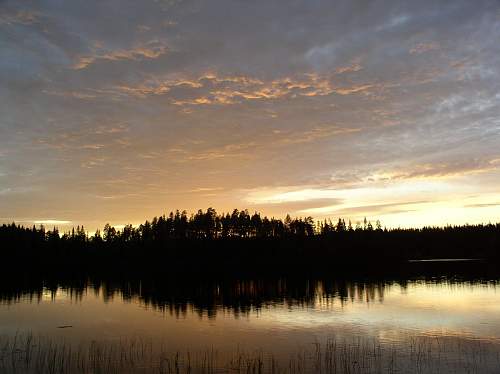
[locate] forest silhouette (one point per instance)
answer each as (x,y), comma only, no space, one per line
(239,241)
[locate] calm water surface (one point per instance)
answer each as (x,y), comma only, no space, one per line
(279,316)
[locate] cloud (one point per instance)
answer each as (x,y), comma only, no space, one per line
(52,222)
(93,162)
(206,189)
(150,50)
(202,101)
(323,201)
(482,205)
(393,22)
(111,129)
(457,105)
(36,221)
(72,94)
(435,170)
(230,90)
(316,133)
(148,88)
(263,142)
(353,89)
(424,47)
(5,191)
(226,151)
(86,138)
(115,197)
(280,195)
(213,89)
(384,197)
(352,68)
(394,101)
(299,207)
(368,210)
(92,146)
(123,142)
(23,17)
(224,90)
(416,172)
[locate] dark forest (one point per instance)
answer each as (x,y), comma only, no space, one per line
(239,241)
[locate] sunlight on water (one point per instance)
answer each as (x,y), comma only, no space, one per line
(385,310)
(278,317)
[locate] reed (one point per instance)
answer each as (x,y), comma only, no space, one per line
(27,354)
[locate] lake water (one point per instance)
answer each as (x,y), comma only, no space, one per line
(454,321)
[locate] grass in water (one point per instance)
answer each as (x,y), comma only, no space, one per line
(26,354)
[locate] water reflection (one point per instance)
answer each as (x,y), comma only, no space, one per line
(207,297)
(278,315)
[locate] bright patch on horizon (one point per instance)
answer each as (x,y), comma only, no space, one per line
(399,203)
(52,222)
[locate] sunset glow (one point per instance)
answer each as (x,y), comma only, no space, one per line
(121,111)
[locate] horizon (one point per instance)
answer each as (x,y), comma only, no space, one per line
(65,227)
(388,111)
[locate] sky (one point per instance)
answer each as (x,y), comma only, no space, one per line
(120,110)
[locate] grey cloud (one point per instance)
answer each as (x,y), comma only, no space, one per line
(279,92)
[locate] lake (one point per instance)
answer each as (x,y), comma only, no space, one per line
(420,324)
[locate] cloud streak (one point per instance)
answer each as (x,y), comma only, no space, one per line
(22,17)
(212,89)
(150,50)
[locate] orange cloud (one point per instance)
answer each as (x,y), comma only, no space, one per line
(229,150)
(352,68)
(353,89)
(151,50)
(92,146)
(211,89)
(316,133)
(233,90)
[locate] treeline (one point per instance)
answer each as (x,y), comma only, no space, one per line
(209,225)
(239,240)
(177,226)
